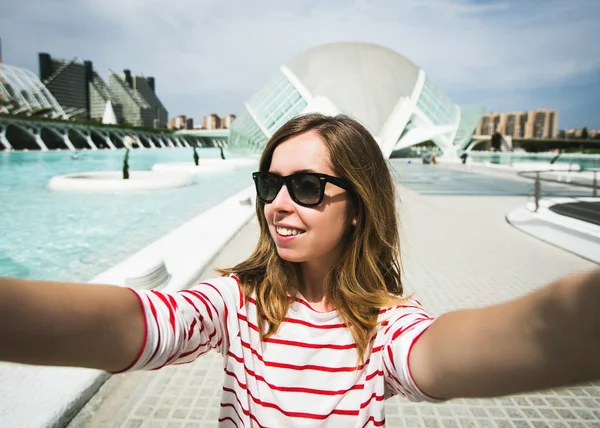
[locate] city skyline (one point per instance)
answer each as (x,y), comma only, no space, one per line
(208,56)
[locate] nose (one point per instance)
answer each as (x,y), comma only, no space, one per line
(283,200)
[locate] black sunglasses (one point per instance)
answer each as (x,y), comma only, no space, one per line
(305,188)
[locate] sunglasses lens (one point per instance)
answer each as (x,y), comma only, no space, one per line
(267,186)
(306,189)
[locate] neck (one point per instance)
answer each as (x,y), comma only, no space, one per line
(311,286)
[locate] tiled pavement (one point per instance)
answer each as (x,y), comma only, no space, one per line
(458,251)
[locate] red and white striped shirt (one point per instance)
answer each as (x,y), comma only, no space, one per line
(306,374)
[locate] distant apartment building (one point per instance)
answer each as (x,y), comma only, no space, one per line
(527,124)
(578,133)
(83,94)
(177,122)
(227,121)
(212,121)
(181,122)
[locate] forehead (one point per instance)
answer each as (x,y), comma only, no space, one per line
(303,152)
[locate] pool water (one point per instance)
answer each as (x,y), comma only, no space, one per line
(74,236)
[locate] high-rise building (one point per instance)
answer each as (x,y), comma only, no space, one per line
(212,121)
(227,121)
(145,86)
(527,124)
(100,95)
(68,82)
(135,110)
(181,122)
(83,94)
(140,104)
(177,122)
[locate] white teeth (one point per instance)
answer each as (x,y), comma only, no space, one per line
(288,232)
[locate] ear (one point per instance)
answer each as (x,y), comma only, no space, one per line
(354,221)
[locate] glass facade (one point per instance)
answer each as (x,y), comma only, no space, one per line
(436,105)
(271,106)
(469,118)
(136,110)
(246,136)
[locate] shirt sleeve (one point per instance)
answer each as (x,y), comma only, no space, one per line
(182,326)
(403,327)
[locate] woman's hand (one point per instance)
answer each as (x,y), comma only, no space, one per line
(66,324)
(546,339)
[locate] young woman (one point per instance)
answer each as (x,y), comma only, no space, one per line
(313,326)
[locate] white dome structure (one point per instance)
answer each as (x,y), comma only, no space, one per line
(390,95)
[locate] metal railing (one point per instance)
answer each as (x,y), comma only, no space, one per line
(568,180)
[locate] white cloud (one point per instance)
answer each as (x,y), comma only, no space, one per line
(202,48)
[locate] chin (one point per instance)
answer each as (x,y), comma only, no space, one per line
(290,256)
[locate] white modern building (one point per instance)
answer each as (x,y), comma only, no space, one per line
(21,92)
(391,96)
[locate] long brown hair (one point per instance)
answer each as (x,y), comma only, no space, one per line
(366,278)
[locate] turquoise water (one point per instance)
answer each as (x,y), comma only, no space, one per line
(73,236)
(506,158)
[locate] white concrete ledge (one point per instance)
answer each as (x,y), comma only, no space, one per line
(113,180)
(544,166)
(36,396)
(205,166)
(586,177)
(527,166)
(188,249)
(573,235)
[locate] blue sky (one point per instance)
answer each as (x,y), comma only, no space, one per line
(209,56)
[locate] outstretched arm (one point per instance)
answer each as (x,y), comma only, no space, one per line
(546,339)
(65,324)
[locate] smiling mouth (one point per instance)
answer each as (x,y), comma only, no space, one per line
(284,231)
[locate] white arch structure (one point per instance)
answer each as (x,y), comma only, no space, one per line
(21,92)
(29,134)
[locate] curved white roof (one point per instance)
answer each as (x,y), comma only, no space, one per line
(363,80)
(22,92)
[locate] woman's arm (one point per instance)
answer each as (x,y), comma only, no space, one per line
(65,324)
(546,339)
(185,325)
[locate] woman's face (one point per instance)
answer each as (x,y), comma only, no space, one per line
(313,235)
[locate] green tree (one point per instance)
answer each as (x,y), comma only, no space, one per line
(584,134)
